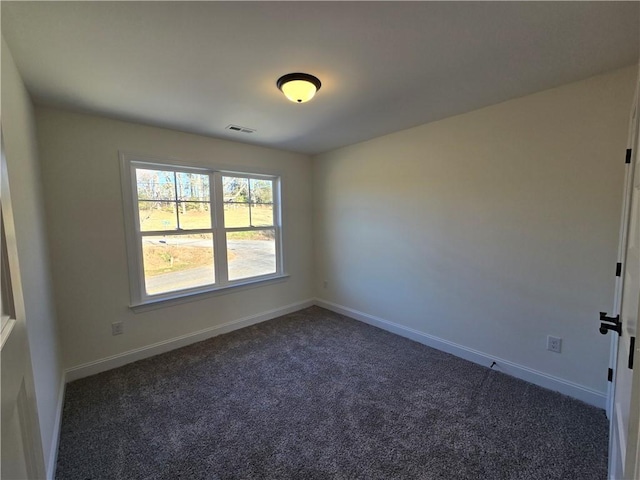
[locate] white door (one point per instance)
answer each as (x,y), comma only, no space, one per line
(21,450)
(624,416)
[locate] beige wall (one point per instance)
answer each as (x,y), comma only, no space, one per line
(491,229)
(81,172)
(18,129)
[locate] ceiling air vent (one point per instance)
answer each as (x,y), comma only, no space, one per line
(238,128)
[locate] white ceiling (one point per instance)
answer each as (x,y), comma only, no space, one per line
(384,66)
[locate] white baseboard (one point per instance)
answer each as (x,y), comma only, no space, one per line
(588,395)
(114,361)
(55,440)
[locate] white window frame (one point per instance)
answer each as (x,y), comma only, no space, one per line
(7,307)
(139,297)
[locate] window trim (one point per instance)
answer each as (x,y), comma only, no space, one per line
(7,306)
(140,300)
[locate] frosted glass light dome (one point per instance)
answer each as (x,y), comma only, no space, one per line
(299,87)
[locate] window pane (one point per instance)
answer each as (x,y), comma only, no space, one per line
(177,262)
(250,254)
(193,186)
(155,185)
(236,215)
(261,191)
(261,215)
(157,216)
(194,215)
(235,189)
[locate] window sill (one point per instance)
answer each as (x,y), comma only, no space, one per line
(178,298)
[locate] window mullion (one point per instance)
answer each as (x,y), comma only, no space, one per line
(175,188)
(249,229)
(164,233)
(214,225)
(249,200)
(222,272)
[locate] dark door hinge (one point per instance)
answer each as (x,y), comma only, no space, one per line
(610,375)
(618,269)
(610,323)
(627,159)
(632,349)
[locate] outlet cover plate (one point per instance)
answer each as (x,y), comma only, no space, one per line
(117,328)
(554,344)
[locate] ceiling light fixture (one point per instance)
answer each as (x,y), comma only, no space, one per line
(299,87)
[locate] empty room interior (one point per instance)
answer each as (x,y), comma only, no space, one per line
(320,240)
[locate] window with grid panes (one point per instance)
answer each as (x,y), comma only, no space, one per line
(193,230)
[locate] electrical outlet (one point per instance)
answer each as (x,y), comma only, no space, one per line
(554,344)
(325,284)
(117,328)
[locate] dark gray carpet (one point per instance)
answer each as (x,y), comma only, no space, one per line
(315,395)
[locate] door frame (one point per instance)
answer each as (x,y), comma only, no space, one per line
(622,246)
(14,334)
(625,219)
